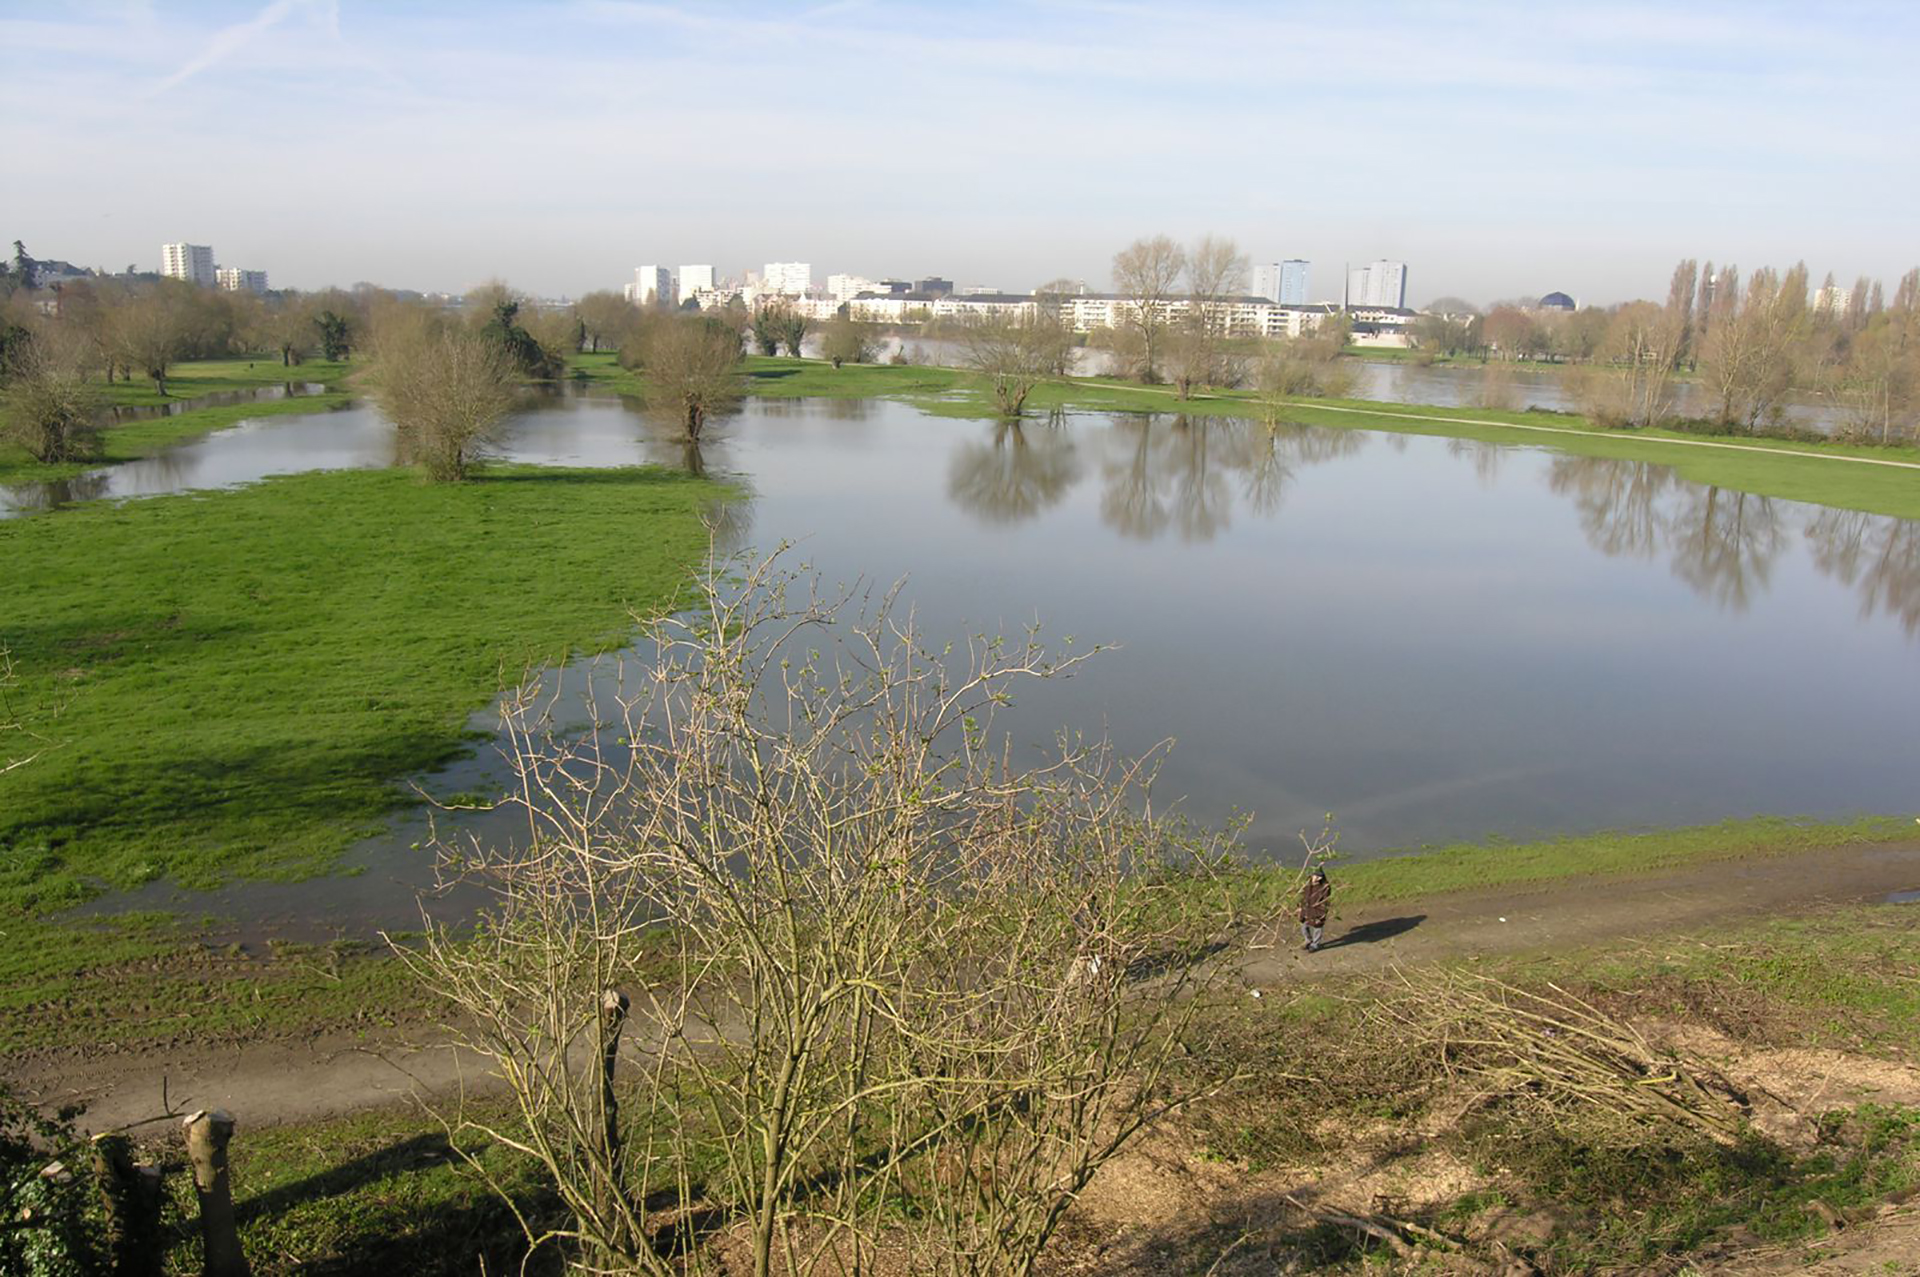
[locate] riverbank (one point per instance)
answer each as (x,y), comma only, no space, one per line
(1782,970)
(1845,476)
(200,379)
(239,684)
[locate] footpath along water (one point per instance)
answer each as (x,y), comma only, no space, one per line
(1432,639)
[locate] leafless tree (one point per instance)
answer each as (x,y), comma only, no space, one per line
(1216,273)
(607,317)
(692,366)
(1147,273)
(446,388)
(47,404)
(880,984)
(151,328)
(1751,346)
(1015,353)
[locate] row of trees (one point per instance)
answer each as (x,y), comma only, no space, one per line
(1752,342)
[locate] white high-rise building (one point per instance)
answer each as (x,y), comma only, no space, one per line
(1381,283)
(787,279)
(694,279)
(191,262)
(235,280)
(651,286)
(1293,282)
(844,288)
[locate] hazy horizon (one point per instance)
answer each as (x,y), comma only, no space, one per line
(1498,149)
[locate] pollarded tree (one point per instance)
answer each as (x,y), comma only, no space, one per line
(692,365)
(845,341)
(150,329)
(1014,353)
(446,389)
(48,406)
(1147,273)
(1216,273)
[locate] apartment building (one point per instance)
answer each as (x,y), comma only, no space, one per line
(191,262)
(234,280)
(693,280)
(651,286)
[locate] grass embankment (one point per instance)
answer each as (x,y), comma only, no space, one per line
(132,440)
(1841,475)
(1426,873)
(242,679)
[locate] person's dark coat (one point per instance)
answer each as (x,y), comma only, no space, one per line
(1314,900)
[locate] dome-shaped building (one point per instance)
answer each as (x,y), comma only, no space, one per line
(1556,301)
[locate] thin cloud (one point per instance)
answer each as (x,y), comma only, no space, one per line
(228,41)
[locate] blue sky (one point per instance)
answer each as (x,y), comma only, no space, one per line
(1498,148)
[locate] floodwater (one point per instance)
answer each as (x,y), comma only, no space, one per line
(1429,639)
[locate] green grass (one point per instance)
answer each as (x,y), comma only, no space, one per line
(380,1192)
(136,439)
(244,676)
(1435,871)
(190,379)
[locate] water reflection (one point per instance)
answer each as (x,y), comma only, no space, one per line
(1726,544)
(1019,472)
(1878,556)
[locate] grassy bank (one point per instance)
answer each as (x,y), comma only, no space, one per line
(1319,1096)
(1438,871)
(242,678)
(130,441)
(1845,476)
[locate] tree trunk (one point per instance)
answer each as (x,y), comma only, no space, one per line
(207,1136)
(613,1016)
(130,1199)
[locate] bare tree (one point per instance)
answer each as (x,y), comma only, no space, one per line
(150,330)
(1216,273)
(1147,273)
(47,404)
(446,389)
(1015,353)
(1753,342)
(692,366)
(881,983)
(607,317)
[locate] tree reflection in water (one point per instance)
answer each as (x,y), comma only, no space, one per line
(1878,555)
(1155,474)
(1020,472)
(1724,543)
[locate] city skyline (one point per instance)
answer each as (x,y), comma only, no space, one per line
(1501,151)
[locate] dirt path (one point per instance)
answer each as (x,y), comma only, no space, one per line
(329,1075)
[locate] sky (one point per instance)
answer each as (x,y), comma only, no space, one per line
(1500,149)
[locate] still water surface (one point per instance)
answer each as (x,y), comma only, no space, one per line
(1430,639)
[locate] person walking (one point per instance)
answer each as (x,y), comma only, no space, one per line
(1315,898)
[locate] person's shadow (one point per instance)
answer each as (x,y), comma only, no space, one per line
(1369,932)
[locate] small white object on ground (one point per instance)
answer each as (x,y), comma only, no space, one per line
(1503,919)
(1254,992)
